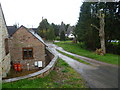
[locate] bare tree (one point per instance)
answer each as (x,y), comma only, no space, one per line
(101,16)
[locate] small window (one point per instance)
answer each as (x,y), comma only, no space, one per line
(6,46)
(27,53)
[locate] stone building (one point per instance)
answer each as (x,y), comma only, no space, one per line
(4,49)
(22,45)
(27,48)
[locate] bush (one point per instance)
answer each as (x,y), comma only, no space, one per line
(57,38)
(99,51)
(113,48)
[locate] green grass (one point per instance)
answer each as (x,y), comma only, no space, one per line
(63,76)
(76,48)
(73,57)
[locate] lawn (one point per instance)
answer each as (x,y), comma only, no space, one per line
(76,48)
(73,57)
(63,76)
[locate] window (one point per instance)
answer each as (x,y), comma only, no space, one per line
(6,46)
(27,53)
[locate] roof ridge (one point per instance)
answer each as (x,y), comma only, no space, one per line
(3,15)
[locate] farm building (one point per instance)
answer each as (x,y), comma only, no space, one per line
(27,48)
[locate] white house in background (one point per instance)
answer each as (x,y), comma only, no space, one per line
(71,36)
(69,32)
(4,50)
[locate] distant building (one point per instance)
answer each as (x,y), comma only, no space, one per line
(69,32)
(71,36)
(4,49)
(27,48)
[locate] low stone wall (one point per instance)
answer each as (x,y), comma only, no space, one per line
(6,65)
(40,73)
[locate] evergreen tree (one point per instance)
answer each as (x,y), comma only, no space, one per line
(62,36)
(84,31)
(43,27)
(50,34)
(62,28)
(56,29)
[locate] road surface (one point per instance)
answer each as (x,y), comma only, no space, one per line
(97,75)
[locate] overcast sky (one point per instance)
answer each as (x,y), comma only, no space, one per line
(30,12)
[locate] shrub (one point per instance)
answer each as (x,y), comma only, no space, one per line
(99,51)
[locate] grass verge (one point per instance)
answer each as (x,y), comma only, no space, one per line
(76,48)
(63,76)
(73,57)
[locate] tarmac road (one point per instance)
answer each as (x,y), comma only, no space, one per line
(97,75)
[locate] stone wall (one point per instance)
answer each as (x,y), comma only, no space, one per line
(4,59)
(6,65)
(40,73)
(24,39)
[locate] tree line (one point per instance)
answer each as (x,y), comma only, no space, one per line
(84,30)
(52,31)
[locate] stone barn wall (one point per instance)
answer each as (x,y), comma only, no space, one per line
(4,58)
(24,39)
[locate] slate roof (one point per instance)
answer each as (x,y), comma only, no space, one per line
(11,30)
(35,29)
